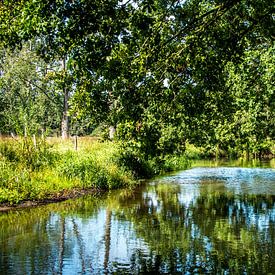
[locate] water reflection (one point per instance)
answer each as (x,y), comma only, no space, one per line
(203,220)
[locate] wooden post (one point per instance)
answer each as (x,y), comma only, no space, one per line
(25,130)
(34,141)
(75,143)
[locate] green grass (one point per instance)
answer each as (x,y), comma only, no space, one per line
(53,167)
(47,169)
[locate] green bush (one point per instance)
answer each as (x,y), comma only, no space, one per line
(138,165)
(143,166)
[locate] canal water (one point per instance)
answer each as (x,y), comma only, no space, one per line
(209,219)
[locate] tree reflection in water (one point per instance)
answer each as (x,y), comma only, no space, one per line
(162,227)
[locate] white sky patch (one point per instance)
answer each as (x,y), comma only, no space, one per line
(133,3)
(148,74)
(170,18)
(166,83)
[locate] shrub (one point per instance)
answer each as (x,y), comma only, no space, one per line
(143,166)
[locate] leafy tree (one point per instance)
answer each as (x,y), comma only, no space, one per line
(78,33)
(30,102)
(158,70)
(169,73)
(252,86)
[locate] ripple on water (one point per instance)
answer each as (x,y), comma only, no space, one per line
(201,220)
(235,179)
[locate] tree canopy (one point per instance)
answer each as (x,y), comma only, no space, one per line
(161,72)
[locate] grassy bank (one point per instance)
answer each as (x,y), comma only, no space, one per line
(50,169)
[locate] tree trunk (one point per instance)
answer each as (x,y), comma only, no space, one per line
(112,131)
(247,152)
(107,239)
(61,246)
(65,116)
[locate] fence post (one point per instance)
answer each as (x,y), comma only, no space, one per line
(75,143)
(34,141)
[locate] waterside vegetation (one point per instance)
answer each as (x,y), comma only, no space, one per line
(167,81)
(53,170)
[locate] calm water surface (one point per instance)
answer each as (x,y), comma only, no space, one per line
(208,219)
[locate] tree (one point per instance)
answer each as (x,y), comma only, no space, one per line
(30,101)
(156,69)
(252,86)
(79,33)
(187,46)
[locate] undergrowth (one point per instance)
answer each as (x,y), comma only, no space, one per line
(39,169)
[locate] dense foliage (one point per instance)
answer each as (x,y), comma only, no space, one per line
(161,72)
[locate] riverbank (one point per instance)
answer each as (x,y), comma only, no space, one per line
(35,172)
(230,207)
(55,197)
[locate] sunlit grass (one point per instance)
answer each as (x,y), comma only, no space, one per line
(69,144)
(44,170)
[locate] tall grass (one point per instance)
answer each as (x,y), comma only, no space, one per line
(45,169)
(26,153)
(95,166)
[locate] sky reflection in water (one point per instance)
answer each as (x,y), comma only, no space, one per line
(202,220)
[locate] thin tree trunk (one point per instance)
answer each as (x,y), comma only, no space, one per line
(247,153)
(61,246)
(112,131)
(65,116)
(107,239)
